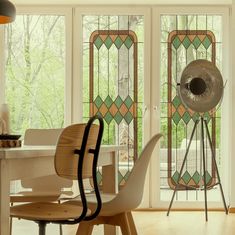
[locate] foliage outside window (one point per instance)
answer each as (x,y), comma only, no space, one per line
(35,71)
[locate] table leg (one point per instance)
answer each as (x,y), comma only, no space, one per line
(110,185)
(4,198)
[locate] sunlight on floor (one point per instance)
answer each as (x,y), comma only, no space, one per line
(152,223)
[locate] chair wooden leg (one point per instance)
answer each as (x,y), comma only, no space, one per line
(124,223)
(11,220)
(131,223)
(124,220)
(85,228)
(11,225)
(109,229)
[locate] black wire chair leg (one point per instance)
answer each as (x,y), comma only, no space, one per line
(61,229)
(42,227)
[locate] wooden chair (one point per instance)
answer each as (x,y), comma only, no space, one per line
(76,158)
(116,209)
(35,189)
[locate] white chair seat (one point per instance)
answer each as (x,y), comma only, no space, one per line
(116,209)
(91,200)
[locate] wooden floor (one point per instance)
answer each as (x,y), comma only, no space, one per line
(154,223)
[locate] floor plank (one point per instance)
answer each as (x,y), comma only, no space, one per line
(154,223)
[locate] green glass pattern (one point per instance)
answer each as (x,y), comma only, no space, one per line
(99,177)
(186,42)
(108,117)
(196,42)
(118,118)
(206,42)
(181,119)
(116,106)
(176,118)
(108,42)
(128,102)
(196,177)
(122,107)
(128,42)
(98,102)
(118,42)
(186,117)
(98,42)
(176,42)
(176,101)
(108,101)
(195,116)
(128,117)
(186,177)
(118,101)
(207,117)
(175,177)
(208,178)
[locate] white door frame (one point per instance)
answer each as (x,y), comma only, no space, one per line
(155,85)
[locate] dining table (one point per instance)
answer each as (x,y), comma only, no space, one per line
(34,161)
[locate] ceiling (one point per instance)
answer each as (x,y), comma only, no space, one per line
(126,2)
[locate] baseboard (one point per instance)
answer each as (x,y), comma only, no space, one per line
(232,210)
(182,209)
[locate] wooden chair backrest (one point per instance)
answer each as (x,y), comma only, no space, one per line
(42,136)
(66,161)
(54,183)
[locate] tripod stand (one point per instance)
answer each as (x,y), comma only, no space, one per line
(203,122)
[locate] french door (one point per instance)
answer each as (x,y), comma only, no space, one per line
(181,35)
(129,65)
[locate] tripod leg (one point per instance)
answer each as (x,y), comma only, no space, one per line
(216,167)
(182,167)
(204,167)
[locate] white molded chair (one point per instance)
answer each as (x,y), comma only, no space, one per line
(116,209)
(76,158)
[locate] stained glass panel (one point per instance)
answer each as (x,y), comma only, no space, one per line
(185,38)
(114,75)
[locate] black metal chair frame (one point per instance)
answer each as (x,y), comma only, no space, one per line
(42,223)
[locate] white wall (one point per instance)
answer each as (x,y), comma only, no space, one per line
(232,171)
(126,2)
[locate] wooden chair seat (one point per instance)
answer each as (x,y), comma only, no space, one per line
(31,196)
(46,211)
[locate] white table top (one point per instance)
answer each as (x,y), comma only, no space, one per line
(29,151)
(34,161)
